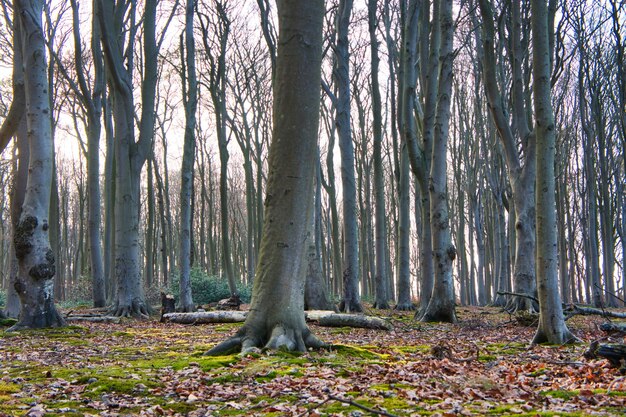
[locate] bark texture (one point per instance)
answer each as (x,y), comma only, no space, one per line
(552,327)
(442,303)
(351,301)
(276,318)
(35,279)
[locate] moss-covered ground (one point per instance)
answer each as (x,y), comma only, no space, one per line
(480,366)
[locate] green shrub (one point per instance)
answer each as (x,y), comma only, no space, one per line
(3,298)
(207,289)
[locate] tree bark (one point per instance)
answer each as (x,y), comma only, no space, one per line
(381,278)
(276,318)
(552,327)
(34,283)
(190,93)
(442,303)
(351,300)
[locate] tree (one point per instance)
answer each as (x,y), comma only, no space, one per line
(91,101)
(442,303)
(276,317)
(190,98)
(552,327)
(381,278)
(521,165)
(130,155)
(216,55)
(351,300)
(36,263)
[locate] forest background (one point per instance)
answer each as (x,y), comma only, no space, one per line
(234,61)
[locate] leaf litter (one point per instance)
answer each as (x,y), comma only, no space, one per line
(480,366)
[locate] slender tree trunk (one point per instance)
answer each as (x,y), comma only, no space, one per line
(351,300)
(442,303)
(381,278)
(552,327)
(190,94)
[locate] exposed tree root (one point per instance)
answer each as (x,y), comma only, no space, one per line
(51,319)
(405,307)
(381,305)
(138,309)
(350,307)
(249,339)
(519,302)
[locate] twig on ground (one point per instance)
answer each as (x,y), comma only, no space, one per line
(516,294)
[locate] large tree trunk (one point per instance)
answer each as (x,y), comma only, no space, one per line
(34,283)
(442,303)
(351,301)
(276,317)
(190,88)
(552,327)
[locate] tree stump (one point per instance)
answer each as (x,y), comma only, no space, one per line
(168,305)
(615,353)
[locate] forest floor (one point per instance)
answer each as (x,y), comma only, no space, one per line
(480,366)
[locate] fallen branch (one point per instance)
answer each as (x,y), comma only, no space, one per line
(590,311)
(517,294)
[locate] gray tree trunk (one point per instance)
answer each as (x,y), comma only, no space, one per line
(190,97)
(91,98)
(129,298)
(351,300)
(381,278)
(552,327)
(34,283)
(276,318)
(442,303)
(315,292)
(521,177)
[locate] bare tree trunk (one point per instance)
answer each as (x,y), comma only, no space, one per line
(351,300)
(276,318)
(552,327)
(442,304)
(381,278)
(190,99)
(34,283)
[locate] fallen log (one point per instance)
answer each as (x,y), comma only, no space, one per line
(206,317)
(95,319)
(615,353)
(353,320)
(573,310)
(322,318)
(614,328)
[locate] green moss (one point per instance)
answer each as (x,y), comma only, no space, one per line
(562,394)
(7,322)
(487,358)
(9,388)
(362,352)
